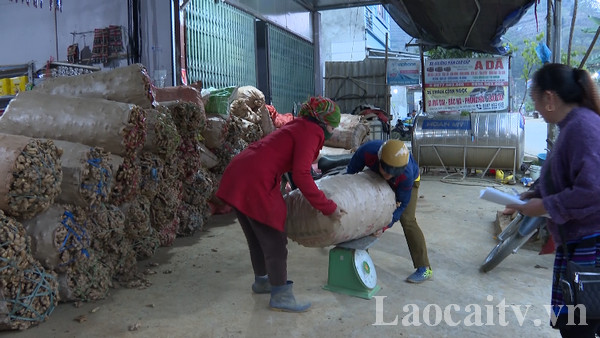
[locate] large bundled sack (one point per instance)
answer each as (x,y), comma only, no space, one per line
(107,227)
(138,228)
(350,134)
(130,84)
(119,128)
(250,95)
(28,292)
(189,118)
(214,134)
(368,199)
(60,236)
(163,214)
(61,240)
(87,279)
(87,175)
(152,169)
(245,102)
(31,175)
(248,103)
(162,135)
(180,93)
(28,298)
(128,175)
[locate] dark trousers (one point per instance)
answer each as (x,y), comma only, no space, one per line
(577,331)
(268,249)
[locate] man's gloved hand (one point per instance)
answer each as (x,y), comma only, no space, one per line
(337,214)
(382,230)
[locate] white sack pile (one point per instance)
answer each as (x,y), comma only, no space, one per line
(129,84)
(368,199)
(350,134)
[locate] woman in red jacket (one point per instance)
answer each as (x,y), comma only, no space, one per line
(251,185)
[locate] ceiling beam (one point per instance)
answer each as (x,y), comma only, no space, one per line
(314,6)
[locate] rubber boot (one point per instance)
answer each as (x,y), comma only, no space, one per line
(261,284)
(282,299)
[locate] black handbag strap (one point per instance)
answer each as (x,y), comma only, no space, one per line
(561,231)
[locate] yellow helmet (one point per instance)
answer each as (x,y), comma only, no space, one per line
(393,157)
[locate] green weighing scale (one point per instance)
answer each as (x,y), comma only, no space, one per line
(351,270)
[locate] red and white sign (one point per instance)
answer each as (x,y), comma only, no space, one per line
(474,85)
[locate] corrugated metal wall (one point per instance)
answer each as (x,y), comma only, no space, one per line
(220,45)
(351,84)
(291,61)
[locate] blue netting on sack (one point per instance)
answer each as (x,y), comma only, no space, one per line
(30,297)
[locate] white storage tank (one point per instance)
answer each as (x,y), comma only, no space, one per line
(479,140)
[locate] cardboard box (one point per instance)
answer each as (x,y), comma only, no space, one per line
(19,84)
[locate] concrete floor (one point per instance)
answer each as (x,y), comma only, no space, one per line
(202,286)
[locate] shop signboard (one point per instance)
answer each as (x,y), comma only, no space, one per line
(473,85)
(403,72)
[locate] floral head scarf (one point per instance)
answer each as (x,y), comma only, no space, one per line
(323,110)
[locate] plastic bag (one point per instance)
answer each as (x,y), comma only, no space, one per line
(218,100)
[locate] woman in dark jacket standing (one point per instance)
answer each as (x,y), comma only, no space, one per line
(569,184)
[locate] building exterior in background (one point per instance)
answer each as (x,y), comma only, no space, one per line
(354,34)
(348,34)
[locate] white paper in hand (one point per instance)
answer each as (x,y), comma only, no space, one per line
(497,196)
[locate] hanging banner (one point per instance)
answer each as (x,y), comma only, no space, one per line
(403,72)
(473,85)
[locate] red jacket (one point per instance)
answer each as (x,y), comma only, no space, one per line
(251,182)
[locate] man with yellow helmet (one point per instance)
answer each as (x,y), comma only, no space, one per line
(392,160)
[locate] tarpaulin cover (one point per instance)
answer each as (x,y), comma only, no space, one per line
(463,24)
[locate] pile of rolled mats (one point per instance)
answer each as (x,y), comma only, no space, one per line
(99,171)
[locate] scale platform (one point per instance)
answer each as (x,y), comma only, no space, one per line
(351,270)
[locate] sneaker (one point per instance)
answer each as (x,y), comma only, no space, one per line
(422,274)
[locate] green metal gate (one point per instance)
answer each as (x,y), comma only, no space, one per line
(291,61)
(221,52)
(220,45)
